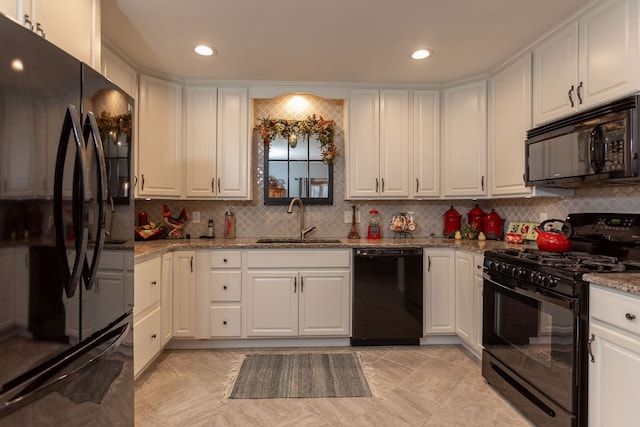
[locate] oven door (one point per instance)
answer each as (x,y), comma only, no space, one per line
(534,334)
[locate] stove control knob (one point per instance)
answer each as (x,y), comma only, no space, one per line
(544,280)
(517,272)
(500,267)
(535,277)
(553,282)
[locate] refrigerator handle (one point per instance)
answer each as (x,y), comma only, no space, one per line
(55,373)
(91,135)
(70,127)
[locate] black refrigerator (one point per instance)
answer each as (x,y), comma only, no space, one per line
(65,342)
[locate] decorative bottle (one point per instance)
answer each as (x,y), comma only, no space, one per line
(229,225)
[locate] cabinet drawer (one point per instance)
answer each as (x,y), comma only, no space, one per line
(225,321)
(225,285)
(226,259)
(146,340)
(147,284)
(615,308)
(301,258)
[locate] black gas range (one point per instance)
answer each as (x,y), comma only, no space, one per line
(536,313)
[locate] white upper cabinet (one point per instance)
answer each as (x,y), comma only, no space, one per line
(426,143)
(74,27)
(119,72)
(379,145)
(509,120)
(217,143)
(232,154)
(464,141)
(588,61)
(159,156)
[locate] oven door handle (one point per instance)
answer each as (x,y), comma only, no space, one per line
(536,294)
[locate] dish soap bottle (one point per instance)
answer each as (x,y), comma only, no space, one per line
(374,231)
(229,225)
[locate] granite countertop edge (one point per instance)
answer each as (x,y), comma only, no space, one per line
(625,282)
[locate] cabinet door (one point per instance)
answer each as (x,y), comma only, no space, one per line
(146,340)
(613,377)
(426,143)
(22,286)
(439,295)
(119,72)
(608,56)
(111,296)
(465,140)
(12,9)
(18,147)
(395,146)
(232,155)
(147,284)
(200,166)
(478,284)
(166,298)
(184,294)
(555,75)
(272,303)
(324,303)
(83,16)
(464,296)
(7,288)
(363,149)
(509,120)
(159,151)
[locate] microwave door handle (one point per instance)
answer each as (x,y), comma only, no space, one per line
(91,134)
(597,148)
(70,126)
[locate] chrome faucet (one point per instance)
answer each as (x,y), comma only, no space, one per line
(303,230)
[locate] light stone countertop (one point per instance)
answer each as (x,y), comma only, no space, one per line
(625,282)
(146,250)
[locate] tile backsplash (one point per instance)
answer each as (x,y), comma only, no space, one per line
(254,219)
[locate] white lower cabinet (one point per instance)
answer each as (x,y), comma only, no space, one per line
(439,292)
(166,297)
(309,298)
(469,300)
(147,326)
(225,294)
(184,294)
(614,330)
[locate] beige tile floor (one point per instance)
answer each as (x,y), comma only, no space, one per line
(414,386)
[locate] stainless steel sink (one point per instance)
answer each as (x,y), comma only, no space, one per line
(293,240)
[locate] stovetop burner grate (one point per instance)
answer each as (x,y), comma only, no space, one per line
(581,262)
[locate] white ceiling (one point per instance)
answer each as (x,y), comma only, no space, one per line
(327,40)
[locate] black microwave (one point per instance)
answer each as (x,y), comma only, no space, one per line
(597,146)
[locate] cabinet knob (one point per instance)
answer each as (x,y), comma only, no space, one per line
(224,287)
(153,282)
(154,336)
(630,316)
(224,322)
(224,260)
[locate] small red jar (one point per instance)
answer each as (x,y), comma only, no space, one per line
(143,219)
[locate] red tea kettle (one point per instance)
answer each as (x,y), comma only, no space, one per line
(452,222)
(554,239)
(492,225)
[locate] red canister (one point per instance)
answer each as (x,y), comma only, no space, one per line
(492,225)
(143,219)
(452,222)
(475,217)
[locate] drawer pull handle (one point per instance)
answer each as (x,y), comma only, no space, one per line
(224,322)
(630,316)
(153,282)
(154,336)
(591,339)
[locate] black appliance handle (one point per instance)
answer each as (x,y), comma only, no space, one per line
(71,126)
(55,373)
(534,293)
(91,134)
(597,148)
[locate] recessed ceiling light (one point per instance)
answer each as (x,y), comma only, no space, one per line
(204,50)
(420,54)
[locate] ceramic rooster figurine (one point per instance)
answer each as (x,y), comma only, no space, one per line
(174,223)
